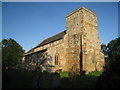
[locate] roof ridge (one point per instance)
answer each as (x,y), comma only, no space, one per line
(55,35)
(49,38)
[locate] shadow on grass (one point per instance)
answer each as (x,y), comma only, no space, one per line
(24,79)
(30,79)
(17,79)
(89,81)
(86,82)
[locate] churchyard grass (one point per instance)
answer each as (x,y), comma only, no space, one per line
(24,79)
(18,79)
(89,81)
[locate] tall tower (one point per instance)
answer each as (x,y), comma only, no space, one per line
(83,50)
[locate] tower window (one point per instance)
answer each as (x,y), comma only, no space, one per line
(56,60)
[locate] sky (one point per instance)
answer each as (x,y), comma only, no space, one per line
(0,21)
(31,22)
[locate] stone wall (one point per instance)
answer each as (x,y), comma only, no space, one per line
(59,51)
(52,49)
(83,22)
(68,50)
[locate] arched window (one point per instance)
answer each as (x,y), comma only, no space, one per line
(56,59)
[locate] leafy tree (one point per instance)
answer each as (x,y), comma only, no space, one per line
(104,50)
(0,55)
(114,49)
(103,47)
(113,60)
(12,53)
(111,75)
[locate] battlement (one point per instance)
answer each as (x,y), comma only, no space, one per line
(79,10)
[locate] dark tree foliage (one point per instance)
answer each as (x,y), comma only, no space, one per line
(12,54)
(111,75)
(104,50)
(0,55)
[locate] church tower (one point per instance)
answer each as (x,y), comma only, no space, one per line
(83,49)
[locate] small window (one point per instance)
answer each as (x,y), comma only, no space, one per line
(56,60)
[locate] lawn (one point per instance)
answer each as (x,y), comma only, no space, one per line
(89,81)
(19,79)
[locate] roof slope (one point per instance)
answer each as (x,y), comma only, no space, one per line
(49,40)
(52,39)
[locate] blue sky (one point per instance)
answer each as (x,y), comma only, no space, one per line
(30,23)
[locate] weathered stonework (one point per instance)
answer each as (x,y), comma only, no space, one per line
(80,38)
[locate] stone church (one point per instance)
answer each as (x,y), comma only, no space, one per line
(78,47)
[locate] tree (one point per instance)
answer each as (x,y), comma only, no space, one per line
(0,55)
(12,53)
(114,49)
(111,76)
(104,50)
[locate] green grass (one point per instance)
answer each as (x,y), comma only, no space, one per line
(89,81)
(64,74)
(94,73)
(18,79)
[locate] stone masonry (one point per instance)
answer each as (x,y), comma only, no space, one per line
(77,47)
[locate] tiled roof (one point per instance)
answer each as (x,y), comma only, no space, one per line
(49,40)
(52,39)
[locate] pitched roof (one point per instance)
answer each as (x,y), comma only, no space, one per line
(49,40)
(52,39)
